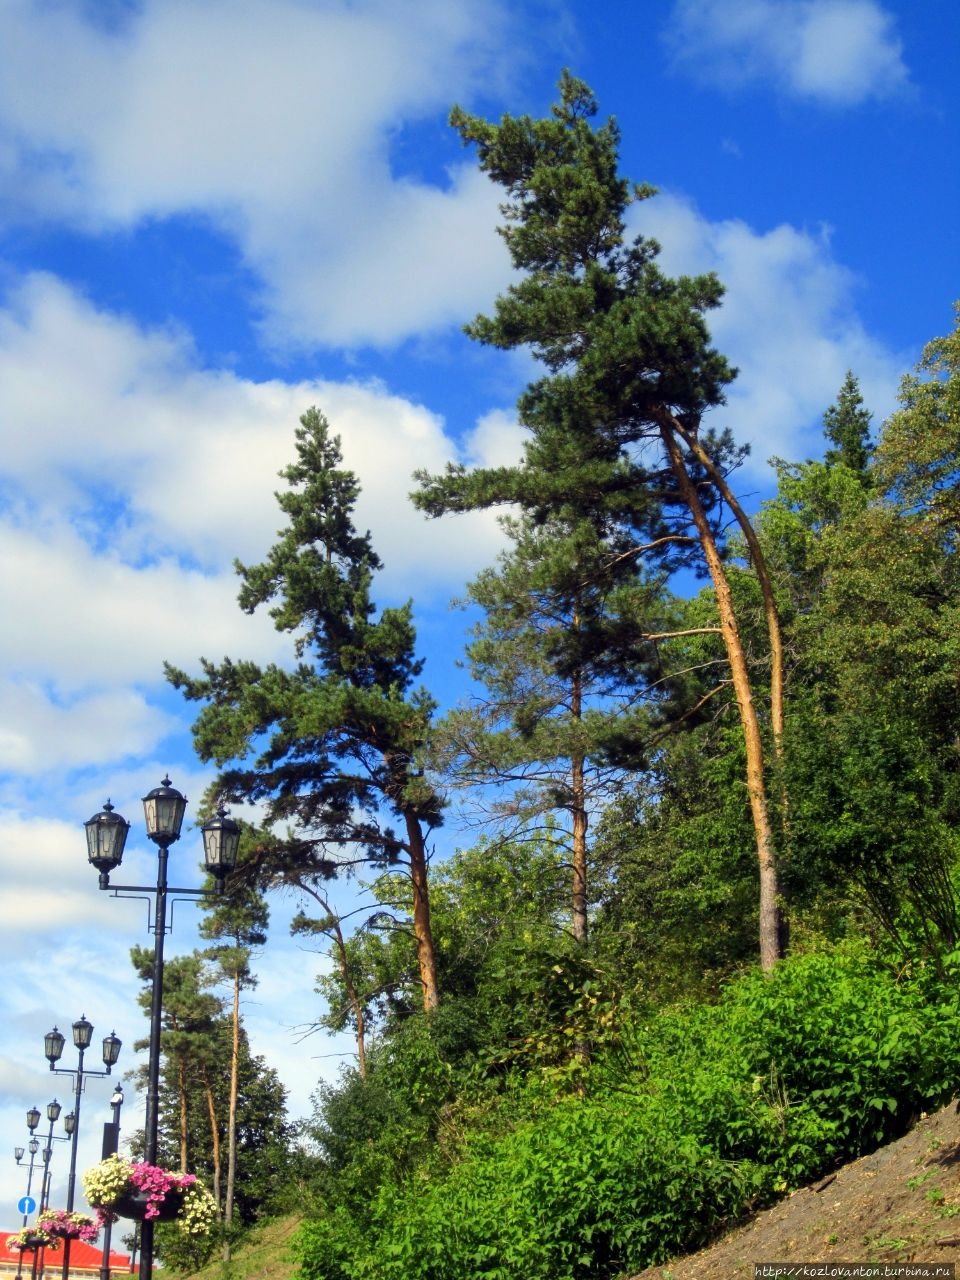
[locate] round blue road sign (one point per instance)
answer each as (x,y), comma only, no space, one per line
(26,1205)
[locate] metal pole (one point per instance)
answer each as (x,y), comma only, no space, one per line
(45,1185)
(111,1145)
(33,1156)
(45,1190)
(153,1066)
(72,1176)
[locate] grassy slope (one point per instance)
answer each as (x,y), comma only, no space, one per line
(263,1255)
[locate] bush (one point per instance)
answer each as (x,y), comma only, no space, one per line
(704,1112)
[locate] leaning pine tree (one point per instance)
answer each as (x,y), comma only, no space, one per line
(335,740)
(617,420)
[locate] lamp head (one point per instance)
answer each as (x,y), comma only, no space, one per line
(111,1050)
(163,810)
(106,836)
(221,839)
(53,1043)
(82,1033)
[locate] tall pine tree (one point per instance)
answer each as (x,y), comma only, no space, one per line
(615,427)
(336,740)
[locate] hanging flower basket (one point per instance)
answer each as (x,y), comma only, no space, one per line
(133,1189)
(137,1204)
(62,1225)
(31,1238)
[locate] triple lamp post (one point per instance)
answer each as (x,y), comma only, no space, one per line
(164,808)
(53,1043)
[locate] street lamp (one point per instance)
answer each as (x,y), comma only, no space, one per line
(33,1146)
(33,1119)
(69,1123)
(163,809)
(53,1043)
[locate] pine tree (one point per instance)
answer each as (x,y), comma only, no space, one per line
(846,425)
(615,427)
(565,641)
(336,740)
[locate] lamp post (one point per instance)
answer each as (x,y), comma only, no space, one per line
(69,1123)
(53,1043)
(33,1119)
(111,1145)
(163,808)
(33,1146)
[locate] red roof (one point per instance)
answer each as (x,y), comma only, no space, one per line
(83,1256)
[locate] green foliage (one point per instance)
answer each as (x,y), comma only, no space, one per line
(699,1113)
(847,426)
(583,1191)
(333,748)
(917,459)
(336,740)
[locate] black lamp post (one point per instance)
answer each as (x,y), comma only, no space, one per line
(53,1043)
(163,808)
(111,1145)
(69,1123)
(33,1119)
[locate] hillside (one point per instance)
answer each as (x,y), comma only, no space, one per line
(900,1204)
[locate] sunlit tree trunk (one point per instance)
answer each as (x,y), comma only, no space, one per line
(770,922)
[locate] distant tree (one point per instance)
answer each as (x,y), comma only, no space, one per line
(269,1165)
(189,1044)
(235,923)
(847,426)
(336,741)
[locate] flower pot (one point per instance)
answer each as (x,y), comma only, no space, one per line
(135,1206)
(31,1242)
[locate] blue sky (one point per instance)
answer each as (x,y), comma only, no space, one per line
(216,213)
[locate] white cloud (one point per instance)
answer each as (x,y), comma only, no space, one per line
(837,52)
(788,322)
(274,121)
(112,426)
(131,480)
(496,441)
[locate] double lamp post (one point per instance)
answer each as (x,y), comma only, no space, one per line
(164,808)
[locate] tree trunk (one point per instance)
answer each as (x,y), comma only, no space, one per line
(579,807)
(232,1117)
(770,923)
(214,1136)
(421,915)
(770,610)
(355,1002)
(182,1086)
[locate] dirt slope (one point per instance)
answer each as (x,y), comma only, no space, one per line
(901,1204)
